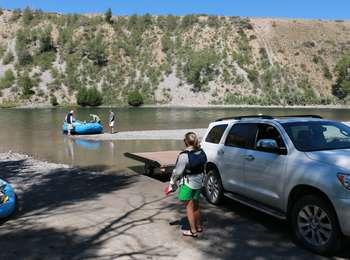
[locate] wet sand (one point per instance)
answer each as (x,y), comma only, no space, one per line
(176,134)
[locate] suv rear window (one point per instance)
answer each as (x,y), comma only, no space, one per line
(242,135)
(215,134)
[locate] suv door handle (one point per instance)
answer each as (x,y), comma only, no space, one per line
(249,157)
(221,152)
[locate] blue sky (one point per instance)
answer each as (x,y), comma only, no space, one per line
(324,9)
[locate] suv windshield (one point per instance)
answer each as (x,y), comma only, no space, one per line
(318,135)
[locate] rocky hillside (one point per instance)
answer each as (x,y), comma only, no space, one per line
(190,60)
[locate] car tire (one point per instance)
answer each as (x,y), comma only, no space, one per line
(213,187)
(315,225)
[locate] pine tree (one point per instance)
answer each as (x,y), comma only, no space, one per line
(108,16)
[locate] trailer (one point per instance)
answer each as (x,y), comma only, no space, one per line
(164,161)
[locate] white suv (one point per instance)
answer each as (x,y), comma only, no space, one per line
(295,168)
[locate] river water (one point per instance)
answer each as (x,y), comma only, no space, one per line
(37,132)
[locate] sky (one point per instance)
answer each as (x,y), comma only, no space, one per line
(311,9)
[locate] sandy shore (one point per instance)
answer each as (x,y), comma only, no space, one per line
(176,134)
(93,213)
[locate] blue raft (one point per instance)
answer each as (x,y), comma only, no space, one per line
(8,199)
(82,128)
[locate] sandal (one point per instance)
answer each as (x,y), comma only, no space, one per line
(199,230)
(189,233)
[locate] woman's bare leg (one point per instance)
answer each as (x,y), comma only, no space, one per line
(190,215)
(197,215)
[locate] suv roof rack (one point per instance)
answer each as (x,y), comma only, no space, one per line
(312,116)
(265,117)
(244,117)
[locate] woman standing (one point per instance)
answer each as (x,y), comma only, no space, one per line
(189,172)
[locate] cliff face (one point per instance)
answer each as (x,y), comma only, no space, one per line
(171,60)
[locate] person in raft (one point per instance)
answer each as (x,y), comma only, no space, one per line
(188,173)
(69,120)
(95,119)
(111,119)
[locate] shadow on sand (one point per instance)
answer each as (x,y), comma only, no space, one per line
(42,194)
(232,231)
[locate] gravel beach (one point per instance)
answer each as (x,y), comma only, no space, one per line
(176,134)
(94,213)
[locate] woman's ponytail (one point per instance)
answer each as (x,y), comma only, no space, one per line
(191,139)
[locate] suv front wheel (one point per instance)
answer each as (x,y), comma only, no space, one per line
(213,187)
(315,225)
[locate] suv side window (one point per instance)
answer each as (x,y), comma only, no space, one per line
(215,134)
(242,135)
(266,131)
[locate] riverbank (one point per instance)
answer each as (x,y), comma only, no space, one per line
(94,213)
(176,134)
(69,106)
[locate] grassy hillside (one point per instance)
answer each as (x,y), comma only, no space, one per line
(48,58)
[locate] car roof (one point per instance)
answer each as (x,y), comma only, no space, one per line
(281,120)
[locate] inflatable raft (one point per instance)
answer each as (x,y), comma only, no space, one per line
(82,128)
(7,199)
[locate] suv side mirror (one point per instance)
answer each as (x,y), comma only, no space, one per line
(270,146)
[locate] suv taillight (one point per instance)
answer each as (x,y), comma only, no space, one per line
(344,180)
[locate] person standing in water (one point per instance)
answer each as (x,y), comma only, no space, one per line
(69,120)
(188,173)
(111,120)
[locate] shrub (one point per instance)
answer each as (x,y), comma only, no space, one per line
(146,20)
(316,59)
(27,16)
(24,57)
(82,97)
(26,84)
(326,72)
(96,50)
(199,69)
(264,58)
(188,20)
(244,24)
(135,99)
(108,16)
(23,38)
(44,60)
(8,58)
(94,97)
(132,22)
(89,97)
(7,80)
(53,100)
(45,41)
(341,88)
(171,22)
(213,21)
(166,43)
(253,75)
(2,50)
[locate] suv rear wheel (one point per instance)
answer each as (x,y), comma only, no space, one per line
(315,225)
(213,186)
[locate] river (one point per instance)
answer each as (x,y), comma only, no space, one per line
(37,132)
